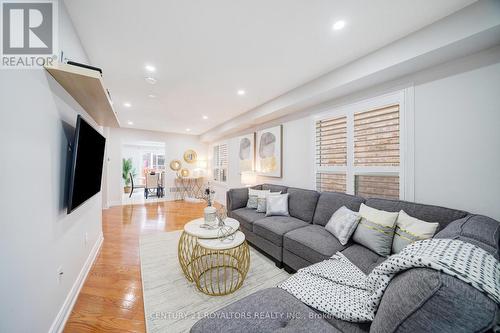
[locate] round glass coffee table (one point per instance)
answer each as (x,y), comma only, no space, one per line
(189,239)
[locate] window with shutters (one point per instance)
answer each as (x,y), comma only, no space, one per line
(358,149)
(331,154)
(220,162)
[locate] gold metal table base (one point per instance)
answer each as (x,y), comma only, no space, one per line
(220,272)
(185,253)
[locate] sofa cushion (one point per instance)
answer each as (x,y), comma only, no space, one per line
(247,216)
(275,188)
(343,223)
(302,203)
(476,229)
(330,202)
(376,229)
(436,302)
(313,243)
(362,257)
(266,311)
(273,228)
(277,205)
(409,230)
(423,212)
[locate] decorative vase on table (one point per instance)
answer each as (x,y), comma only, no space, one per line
(209,212)
(210,215)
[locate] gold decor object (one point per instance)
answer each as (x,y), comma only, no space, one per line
(190,156)
(175,165)
(220,272)
(184,173)
(185,252)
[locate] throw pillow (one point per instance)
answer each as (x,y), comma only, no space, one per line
(253,195)
(277,205)
(375,230)
(410,229)
(261,202)
(342,224)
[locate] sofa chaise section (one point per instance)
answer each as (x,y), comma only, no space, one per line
(267,310)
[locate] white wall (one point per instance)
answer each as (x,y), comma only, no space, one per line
(298,158)
(457,141)
(175,146)
(457,136)
(37,118)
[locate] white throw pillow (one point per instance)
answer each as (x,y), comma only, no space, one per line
(253,196)
(410,229)
(262,201)
(343,223)
(376,230)
(277,205)
(378,216)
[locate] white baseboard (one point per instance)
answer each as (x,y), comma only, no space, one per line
(114,203)
(69,302)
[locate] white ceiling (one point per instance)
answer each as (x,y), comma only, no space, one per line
(205,51)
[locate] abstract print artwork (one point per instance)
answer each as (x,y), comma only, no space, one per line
(269,152)
(246,152)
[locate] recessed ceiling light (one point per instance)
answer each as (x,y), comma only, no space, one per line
(150,68)
(150,80)
(151,95)
(127,104)
(188,130)
(205,117)
(339,25)
(130,122)
(241,92)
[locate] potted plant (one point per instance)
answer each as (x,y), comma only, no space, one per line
(127,169)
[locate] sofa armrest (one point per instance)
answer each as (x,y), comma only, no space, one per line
(236,198)
(425,300)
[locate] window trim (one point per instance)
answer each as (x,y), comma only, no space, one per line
(405,99)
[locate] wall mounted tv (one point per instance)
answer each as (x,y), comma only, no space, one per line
(86,164)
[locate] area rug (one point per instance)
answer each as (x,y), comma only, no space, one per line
(173,304)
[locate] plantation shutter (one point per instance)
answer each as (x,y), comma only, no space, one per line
(331,151)
(376,137)
(326,181)
(331,142)
(220,162)
(379,186)
(223,161)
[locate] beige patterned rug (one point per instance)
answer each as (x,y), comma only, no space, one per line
(171,303)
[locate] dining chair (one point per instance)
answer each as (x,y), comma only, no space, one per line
(134,185)
(151,184)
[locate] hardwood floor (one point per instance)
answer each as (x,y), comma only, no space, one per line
(111,298)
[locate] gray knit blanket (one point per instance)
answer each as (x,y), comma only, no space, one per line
(338,288)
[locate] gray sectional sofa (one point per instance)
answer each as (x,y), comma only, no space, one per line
(418,300)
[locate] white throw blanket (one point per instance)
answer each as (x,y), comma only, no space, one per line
(338,288)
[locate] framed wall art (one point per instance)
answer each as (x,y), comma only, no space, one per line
(246,152)
(269,152)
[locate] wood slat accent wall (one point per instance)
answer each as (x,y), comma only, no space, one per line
(331,142)
(331,182)
(377,186)
(376,137)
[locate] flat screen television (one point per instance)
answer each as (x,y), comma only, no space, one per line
(86,164)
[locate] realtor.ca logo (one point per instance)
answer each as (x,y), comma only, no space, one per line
(28,33)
